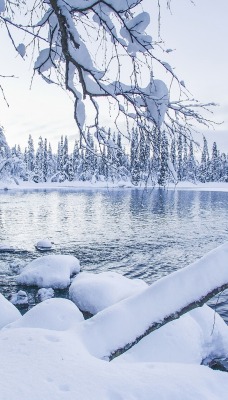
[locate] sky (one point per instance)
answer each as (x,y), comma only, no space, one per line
(196,31)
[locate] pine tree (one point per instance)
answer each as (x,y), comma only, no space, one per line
(76,157)
(65,154)
(31,154)
(70,170)
(134,157)
(45,161)
(38,169)
(185,159)
(180,157)
(214,166)
(164,169)
(119,151)
(191,165)
(205,163)
(135,172)
(155,162)
(173,155)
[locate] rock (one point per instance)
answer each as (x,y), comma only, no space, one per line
(44,245)
(45,293)
(19,298)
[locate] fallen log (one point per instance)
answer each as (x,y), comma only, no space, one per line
(116,329)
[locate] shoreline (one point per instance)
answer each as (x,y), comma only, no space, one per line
(79,185)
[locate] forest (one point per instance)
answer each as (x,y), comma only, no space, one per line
(135,161)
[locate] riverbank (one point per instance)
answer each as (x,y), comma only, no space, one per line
(79,185)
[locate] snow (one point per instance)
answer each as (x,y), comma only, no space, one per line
(45,293)
(79,185)
(21,49)
(19,298)
(131,317)
(44,244)
(45,349)
(61,355)
(53,314)
(2,6)
(8,312)
(50,271)
(4,247)
(190,339)
(44,61)
(94,292)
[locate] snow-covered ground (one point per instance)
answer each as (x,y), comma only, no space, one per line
(51,352)
(208,186)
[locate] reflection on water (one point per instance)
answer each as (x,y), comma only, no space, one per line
(145,234)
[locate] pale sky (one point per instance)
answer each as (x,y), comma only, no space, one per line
(198,34)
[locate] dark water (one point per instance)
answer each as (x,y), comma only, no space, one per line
(143,234)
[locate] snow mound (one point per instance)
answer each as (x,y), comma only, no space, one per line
(54,314)
(198,335)
(45,293)
(50,271)
(6,248)
(44,245)
(94,292)
(8,312)
(19,298)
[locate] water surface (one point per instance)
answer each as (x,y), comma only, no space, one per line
(143,234)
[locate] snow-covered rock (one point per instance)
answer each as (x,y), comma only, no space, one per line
(8,312)
(94,292)
(6,248)
(44,245)
(54,314)
(50,271)
(19,298)
(17,266)
(45,293)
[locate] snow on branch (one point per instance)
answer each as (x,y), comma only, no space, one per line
(100,51)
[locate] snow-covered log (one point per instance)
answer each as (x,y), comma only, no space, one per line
(119,327)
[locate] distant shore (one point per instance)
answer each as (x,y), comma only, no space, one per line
(80,185)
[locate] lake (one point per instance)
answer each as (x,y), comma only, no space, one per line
(139,233)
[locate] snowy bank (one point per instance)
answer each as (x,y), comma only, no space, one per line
(46,348)
(64,357)
(87,185)
(8,312)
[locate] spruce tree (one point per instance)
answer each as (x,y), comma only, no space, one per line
(205,162)
(31,154)
(164,168)
(180,157)
(76,157)
(45,161)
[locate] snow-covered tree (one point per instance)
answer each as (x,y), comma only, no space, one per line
(86,46)
(51,162)
(204,166)
(31,154)
(38,175)
(164,168)
(76,157)
(191,167)
(215,164)
(156,149)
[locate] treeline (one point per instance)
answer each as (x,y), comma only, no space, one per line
(158,164)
